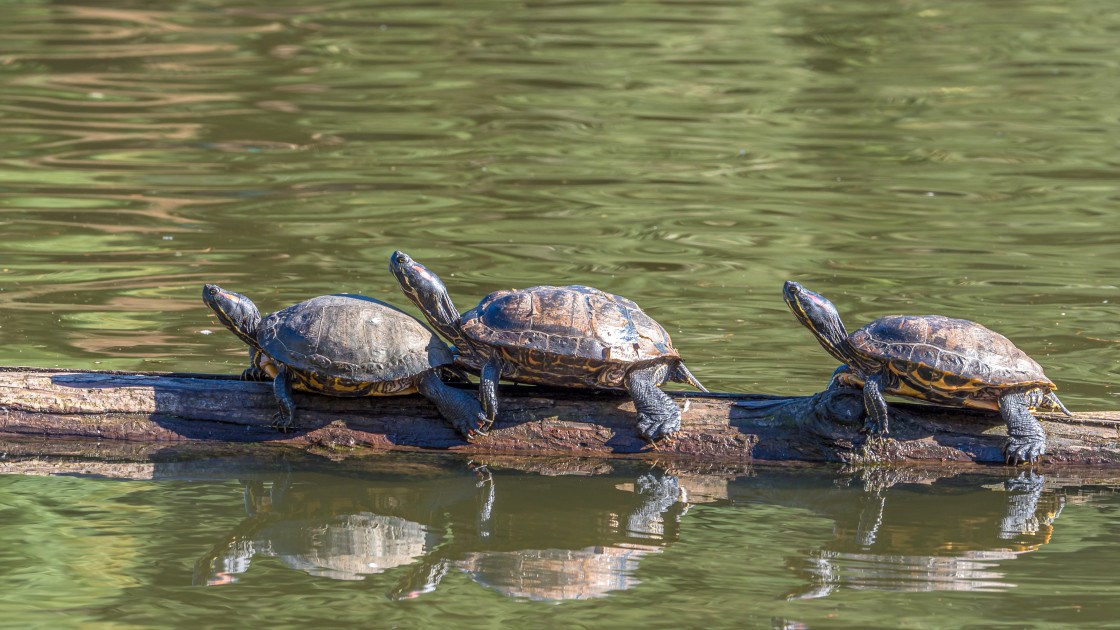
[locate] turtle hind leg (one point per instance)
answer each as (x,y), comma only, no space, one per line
(458,407)
(658,415)
(282,388)
(1026,440)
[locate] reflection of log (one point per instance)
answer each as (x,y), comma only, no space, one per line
(209,408)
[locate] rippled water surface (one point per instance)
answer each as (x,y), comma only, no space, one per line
(952,158)
(921,157)
(422,542)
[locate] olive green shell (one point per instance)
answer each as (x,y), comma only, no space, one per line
(948,354)
(573,336)
(351,337)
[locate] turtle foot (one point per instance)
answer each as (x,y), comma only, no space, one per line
(476,427)
(653,429)
(874,428)
(255,374)
(280,423)
(1023,449)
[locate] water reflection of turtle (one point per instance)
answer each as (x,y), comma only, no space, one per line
(345,547)
(884,538)
(335,527)
(528,536)
(572,336)
(594,571)
(556,574)
(934,358)
(344,345)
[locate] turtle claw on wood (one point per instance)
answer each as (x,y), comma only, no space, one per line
(1023,449)
(280,423)
(255,374)
(652,429)
(934,358)
(480,427)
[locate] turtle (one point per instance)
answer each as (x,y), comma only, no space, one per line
(345,345)
(937,359)
(573,336)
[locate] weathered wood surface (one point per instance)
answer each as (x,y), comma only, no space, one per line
(163,408)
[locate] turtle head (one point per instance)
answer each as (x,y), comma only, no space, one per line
(818,315)
(235,311)
(427,292)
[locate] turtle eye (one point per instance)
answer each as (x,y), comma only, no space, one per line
(213,290)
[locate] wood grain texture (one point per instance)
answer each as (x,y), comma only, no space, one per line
(180,408)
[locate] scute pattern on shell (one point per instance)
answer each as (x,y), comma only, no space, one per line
(572,321)
(929,343)
(352,337)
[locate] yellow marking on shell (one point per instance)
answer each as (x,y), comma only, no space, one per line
(915,376)
(905,389)
(337,385)
(310,382)
(940,382)
(967,395)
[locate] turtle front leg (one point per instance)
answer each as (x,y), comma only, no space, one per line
(1026,440)
(282,388)
(875,405)
(458,407)
(488,388)
(841,378)
(658,415)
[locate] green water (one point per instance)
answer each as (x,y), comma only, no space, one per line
(422,542)
(952,157)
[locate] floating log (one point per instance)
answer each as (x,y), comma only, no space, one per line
(156,407)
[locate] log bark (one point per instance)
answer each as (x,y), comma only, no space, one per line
(211,409)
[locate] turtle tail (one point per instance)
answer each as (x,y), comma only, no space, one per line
(680,374)
(1051,400)
(1046,398)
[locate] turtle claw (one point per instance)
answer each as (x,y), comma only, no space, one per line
(872,428)
(254,374)
(280,423)
(479,427)
(1023,449)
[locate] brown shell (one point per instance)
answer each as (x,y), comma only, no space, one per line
(575,321)
(351,337)
(932,346)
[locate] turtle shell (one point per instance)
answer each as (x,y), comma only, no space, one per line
(351,337)
(948,355)
(588,325)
